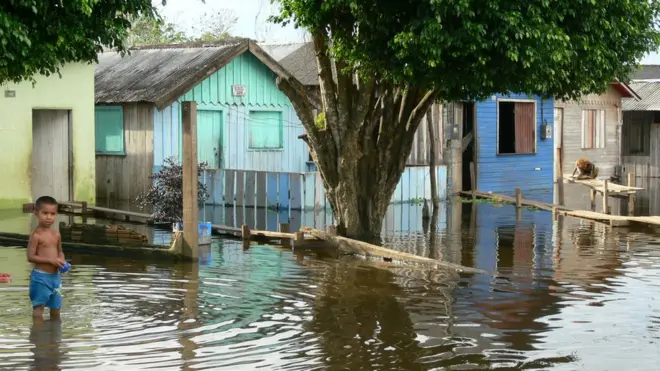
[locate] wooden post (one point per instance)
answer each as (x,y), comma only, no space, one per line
(473,181)
(606,197)
(245,235)
(560,178)
(190,205)
(299,238)
(631,197)
(284,228)
(84,212)
(518,198)
(593,199)
(432,154)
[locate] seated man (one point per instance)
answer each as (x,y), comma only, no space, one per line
(585,169)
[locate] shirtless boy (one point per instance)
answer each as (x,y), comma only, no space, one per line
(45,251)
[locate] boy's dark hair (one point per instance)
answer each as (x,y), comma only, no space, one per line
(44,200)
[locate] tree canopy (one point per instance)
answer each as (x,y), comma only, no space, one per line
(213,26)
(38,36)
(474,48)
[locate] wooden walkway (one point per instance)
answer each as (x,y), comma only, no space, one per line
(598,185)
(612,220)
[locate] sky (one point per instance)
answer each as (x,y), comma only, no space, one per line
(252,20)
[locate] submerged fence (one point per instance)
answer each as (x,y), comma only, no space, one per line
(303,191)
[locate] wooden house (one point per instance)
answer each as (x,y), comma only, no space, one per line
(300,60)
(246,126)
(504,138)
(590,127)
(44,137)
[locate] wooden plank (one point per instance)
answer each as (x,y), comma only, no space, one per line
(218,177)
(240,188)
(271,190)
(319,193)
(308,191)
(262,197)
(229,187)
(296,192)
(250,189)
(283,191)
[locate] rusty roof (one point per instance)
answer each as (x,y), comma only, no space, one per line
(160,74)
(650,97)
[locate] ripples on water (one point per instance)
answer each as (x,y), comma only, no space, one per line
(582,299)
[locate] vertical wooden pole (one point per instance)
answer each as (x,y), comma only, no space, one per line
(593,199)
(432,157)
(84,212)
(245,235)
(284,228)
(473,181)
(631,197)
(560,178)
(518,198)
(606,197)
(190,205)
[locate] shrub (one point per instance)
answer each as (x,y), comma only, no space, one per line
(166,194)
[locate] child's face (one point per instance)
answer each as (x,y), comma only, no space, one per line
(46,215)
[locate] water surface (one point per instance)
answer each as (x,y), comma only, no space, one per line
(563,295)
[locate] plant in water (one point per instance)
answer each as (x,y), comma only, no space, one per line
(166,194)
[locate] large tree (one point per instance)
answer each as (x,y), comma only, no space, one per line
(392,58)
(38,36)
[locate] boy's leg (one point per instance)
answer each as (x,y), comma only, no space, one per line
(39,294)
(55,299)
(38,311)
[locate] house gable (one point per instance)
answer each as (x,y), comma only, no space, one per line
(260,89)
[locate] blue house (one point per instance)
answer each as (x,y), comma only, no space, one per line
(508,140)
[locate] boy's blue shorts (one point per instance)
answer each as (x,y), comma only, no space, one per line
(45,289)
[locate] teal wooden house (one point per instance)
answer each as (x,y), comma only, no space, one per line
(247,128)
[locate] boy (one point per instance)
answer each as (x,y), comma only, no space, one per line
(45,251)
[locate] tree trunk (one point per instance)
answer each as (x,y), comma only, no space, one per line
(361,143)
(432,164)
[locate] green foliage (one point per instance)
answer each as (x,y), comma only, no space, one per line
(154,30)
(471,49)
(209,27)
(38,36)
(320,120)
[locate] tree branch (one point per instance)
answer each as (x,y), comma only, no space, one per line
(365,100)
(327,84)
(301,104)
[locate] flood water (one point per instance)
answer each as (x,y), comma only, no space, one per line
(562,295)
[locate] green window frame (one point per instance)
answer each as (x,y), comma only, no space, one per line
(109,130)
(265,130)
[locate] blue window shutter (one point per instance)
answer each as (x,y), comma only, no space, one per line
(265,130)
(109,130)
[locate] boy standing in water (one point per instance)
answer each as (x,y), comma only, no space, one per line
(45,251)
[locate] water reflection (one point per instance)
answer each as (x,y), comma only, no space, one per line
(45,337)
(565,294)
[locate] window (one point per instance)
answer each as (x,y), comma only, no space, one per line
(265,130)
(593,128)
(635,137)
(516,123)
(109,128)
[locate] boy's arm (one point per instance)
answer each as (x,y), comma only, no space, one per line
(60,253)
(32,252)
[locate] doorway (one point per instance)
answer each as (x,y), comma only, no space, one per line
(468,144)
(52,156)
(209,138)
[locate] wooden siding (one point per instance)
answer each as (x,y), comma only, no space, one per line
(503,173)
(605,158)
(235,152)
(215,94)
(124,177)
(643,166)
(419,155)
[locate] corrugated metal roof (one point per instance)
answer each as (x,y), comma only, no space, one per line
(647,72)
(150,74)
(650,94)
(302,64)
(280,51)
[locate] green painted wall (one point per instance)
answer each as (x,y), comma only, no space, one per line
(246,70)
(75,92)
